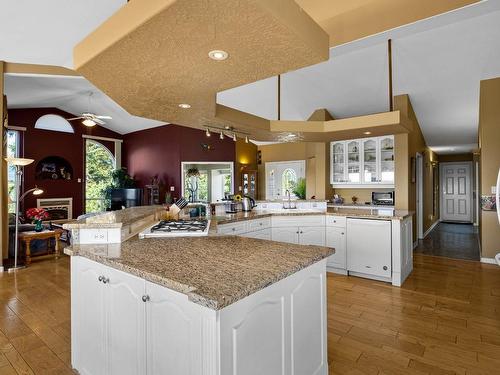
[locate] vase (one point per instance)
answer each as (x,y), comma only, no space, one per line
(38,225)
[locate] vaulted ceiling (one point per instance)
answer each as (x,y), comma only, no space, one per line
(438,62)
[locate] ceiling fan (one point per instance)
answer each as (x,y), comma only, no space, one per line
(91,119)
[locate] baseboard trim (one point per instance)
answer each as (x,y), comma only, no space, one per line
(488,261)
(426,233)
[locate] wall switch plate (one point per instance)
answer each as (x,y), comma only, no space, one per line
(172,188)
(493,190)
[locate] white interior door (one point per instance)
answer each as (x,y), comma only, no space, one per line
(456,195)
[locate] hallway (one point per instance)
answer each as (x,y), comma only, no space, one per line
(458,241)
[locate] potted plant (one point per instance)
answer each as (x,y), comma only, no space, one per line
(122,190)
(300,188)
(37,215)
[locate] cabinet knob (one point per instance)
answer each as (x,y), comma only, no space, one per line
(100,278)
(385,268)
(145,298)
(297,232)
(342,233)
(301,232)
(234,229)
(105,280)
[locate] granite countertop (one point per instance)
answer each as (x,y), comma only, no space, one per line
(213,271)
(370,213)
(116,219)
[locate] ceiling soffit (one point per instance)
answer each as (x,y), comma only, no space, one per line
(349,20)
(153,55)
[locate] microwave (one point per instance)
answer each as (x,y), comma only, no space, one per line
(383,198)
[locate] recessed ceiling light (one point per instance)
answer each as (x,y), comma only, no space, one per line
(218,55)
(89,122)
(184,105)
(367,133)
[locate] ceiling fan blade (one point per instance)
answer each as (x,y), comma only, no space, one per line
(98,121)
(74,118)
(105,117)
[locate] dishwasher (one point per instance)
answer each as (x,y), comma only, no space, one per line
(369,248)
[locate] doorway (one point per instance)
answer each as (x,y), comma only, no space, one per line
(420,195)
(456,192)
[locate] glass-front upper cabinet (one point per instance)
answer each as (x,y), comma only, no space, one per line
(363,162)
(386,145)
(353,161)
(370,161)
(338,162)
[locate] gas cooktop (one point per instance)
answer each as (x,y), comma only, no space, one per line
(177,228)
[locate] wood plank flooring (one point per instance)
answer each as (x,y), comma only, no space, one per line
(445,320)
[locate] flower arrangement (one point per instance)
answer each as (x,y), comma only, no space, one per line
(37,214)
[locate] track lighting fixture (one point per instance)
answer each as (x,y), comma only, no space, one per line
(207,133)
(234,137)
(246,138)
(221,136)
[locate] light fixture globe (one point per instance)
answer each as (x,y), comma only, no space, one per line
(218,55)
(19,161)
(88,122)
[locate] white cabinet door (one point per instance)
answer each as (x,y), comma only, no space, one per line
(312,236)
(336,238)
(88,335)
(174,335)
(285,234)
(125,313)
(369,247)
(263,234)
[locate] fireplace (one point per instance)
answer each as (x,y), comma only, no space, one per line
(57,208)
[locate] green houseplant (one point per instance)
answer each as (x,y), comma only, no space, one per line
(300,188)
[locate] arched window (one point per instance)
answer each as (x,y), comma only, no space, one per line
(55,123)
(99,166)
(288,181)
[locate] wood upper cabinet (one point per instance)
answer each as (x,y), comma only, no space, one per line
(362,162)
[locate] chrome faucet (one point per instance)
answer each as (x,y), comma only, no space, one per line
(287,193)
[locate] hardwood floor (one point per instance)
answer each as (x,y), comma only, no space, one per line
(444,320)
(458,241)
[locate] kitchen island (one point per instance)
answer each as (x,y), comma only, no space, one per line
(205,305)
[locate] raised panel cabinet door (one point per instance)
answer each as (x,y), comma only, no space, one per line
(285,234)
(174,333)
(312,236)
(125,315)
(336,238)
(88,337)
(263,234)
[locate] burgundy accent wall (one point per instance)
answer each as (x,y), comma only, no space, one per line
(160,151)
(38,144)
